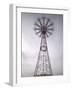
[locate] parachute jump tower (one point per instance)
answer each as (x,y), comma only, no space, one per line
(43,28)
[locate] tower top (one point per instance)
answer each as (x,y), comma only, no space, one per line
(43,26)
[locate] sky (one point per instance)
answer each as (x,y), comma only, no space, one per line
(31,43)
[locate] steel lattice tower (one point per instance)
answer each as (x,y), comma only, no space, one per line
(43,28)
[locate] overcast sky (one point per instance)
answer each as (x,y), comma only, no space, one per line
(31,43)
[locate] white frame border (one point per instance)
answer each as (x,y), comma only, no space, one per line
(14,75)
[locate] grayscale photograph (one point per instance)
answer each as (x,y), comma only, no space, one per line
(41,44)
